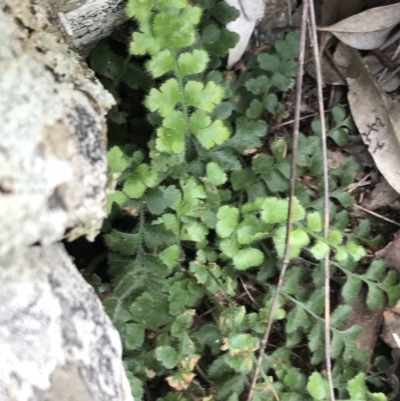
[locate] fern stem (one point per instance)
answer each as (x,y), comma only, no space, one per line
(141,230)
(204,375)
(184,106)
(139,253)
(302,305)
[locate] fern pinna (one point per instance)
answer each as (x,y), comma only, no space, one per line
(197,223)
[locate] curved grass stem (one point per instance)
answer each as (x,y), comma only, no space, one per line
(296,126)
(317,63)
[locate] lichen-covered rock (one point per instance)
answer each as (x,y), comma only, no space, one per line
(56,342)
(52,128)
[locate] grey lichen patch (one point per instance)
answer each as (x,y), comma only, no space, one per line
(52,155)
(56,341)
(88,132)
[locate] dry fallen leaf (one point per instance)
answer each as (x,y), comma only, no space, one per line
(331,72)
(382,195)
(390,82)
(391,326)
(369,320)
(391,253)
(333,11)
(250,12)
(330,12)
(253,9)
(367,30)
(376,116)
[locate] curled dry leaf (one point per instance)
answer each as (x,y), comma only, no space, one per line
(367,30)
(382,195)
(377,117)
(250,12)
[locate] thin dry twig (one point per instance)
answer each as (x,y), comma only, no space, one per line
(394,38)
(376,215)
(391,75)
(396,53)
(247,291)
(280,125)
(285,263)
(292,120)
(289,5)
(352,187)
(317,63)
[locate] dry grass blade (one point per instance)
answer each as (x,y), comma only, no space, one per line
(296,126)
(318,73)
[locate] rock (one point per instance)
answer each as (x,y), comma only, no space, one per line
(56,342)
(52,135)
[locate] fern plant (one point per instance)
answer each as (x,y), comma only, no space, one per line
(197,219)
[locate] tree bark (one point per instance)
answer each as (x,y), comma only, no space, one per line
(92,21)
